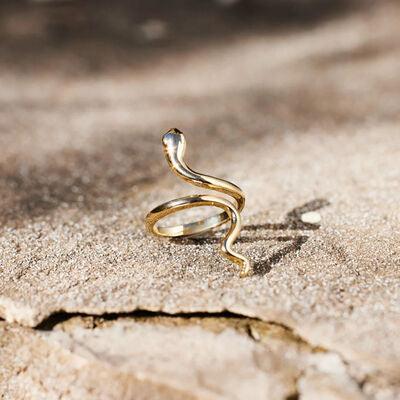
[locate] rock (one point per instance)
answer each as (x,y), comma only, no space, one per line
(165,357)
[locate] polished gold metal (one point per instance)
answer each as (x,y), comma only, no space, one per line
(174,144)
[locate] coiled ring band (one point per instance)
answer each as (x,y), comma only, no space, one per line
(174,144)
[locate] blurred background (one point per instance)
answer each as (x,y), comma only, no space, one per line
(87,87)
(77,37)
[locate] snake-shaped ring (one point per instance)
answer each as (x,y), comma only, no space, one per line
(174,144)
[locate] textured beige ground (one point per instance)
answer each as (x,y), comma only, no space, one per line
(304,117)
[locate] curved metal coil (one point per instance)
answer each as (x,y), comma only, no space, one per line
(174,144)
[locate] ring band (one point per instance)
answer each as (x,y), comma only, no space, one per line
(174,144)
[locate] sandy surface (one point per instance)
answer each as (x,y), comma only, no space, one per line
(304,116)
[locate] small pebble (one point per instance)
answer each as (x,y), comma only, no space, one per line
(311,217)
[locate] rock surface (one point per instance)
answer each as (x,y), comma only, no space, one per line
(305,118)
(171,357)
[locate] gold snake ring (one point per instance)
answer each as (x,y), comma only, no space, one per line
(174,144)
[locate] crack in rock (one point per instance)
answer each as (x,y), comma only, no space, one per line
(273,350)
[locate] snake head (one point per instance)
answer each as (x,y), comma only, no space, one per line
(174,144)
